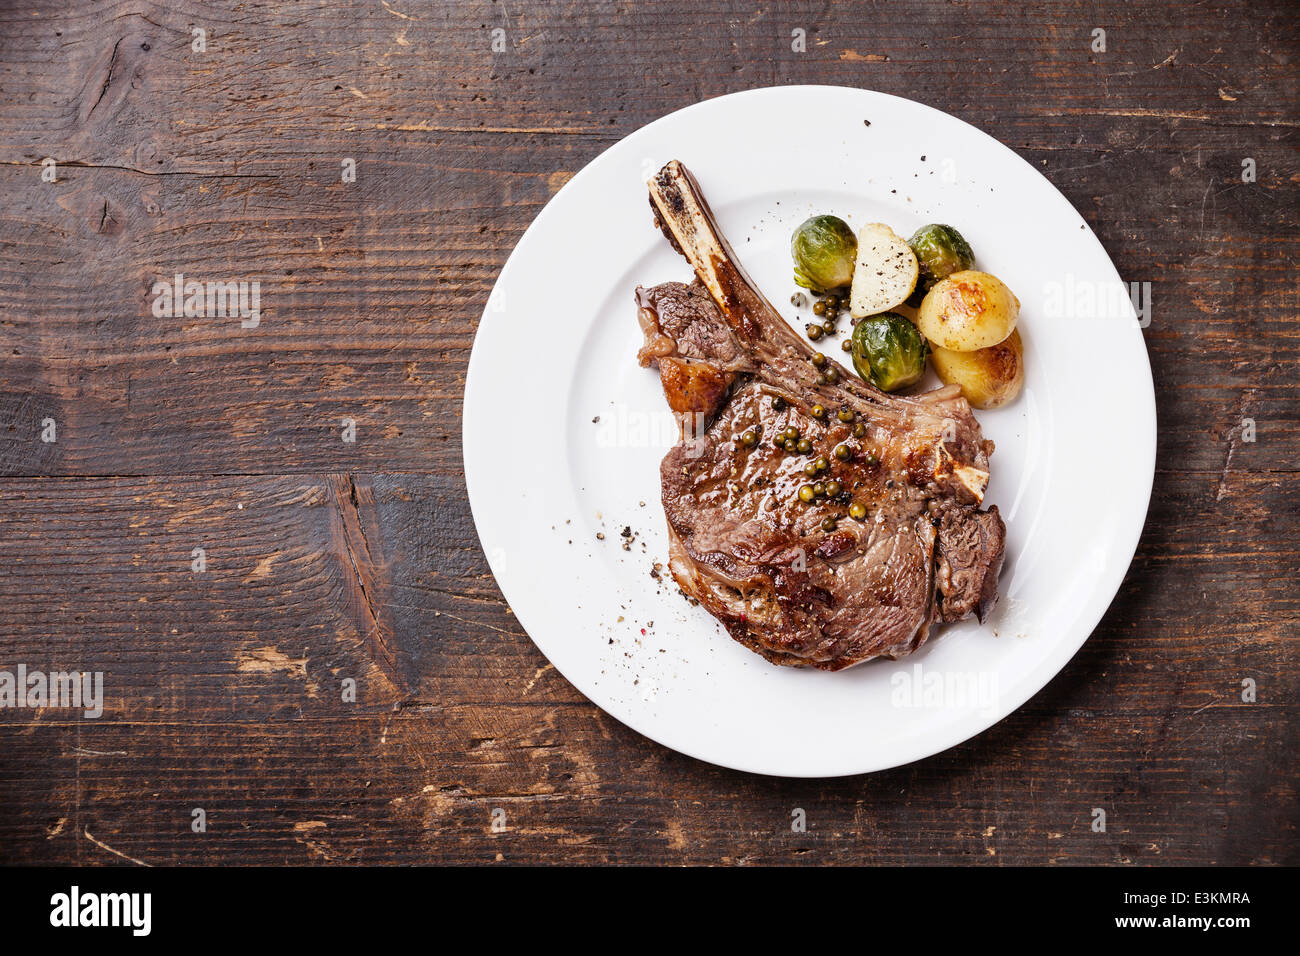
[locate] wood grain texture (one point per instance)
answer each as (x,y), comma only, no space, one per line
(329,561)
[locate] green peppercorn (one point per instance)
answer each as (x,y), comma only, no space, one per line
(871,459)
(821,463)
(847,345)
(832,375)
(811,469)
(833,488)
(819,360)
(806,493)
(857,511)
(834,301)
(822,379)
(817,412)
(828,327)
(804,446)
(845,415)
(778,403)
(790,432)
(828,524)
(819,307)
(789,445)
(819,489)
(843,452)
(859,430)
(815,332)
(749,439)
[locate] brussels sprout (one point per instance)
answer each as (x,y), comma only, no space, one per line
(888,351)
(823,249)
(940,251)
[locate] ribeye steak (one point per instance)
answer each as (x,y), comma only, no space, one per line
(802,582)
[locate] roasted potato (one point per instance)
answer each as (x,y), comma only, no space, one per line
(968,310)
(886,271)
(988,377)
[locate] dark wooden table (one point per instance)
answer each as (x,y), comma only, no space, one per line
(329,560)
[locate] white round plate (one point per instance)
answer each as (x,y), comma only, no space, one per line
(564,432)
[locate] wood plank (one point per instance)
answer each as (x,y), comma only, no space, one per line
(373,289)
(223,692)
(328,560)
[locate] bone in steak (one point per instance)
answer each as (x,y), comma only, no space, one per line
(762,561)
